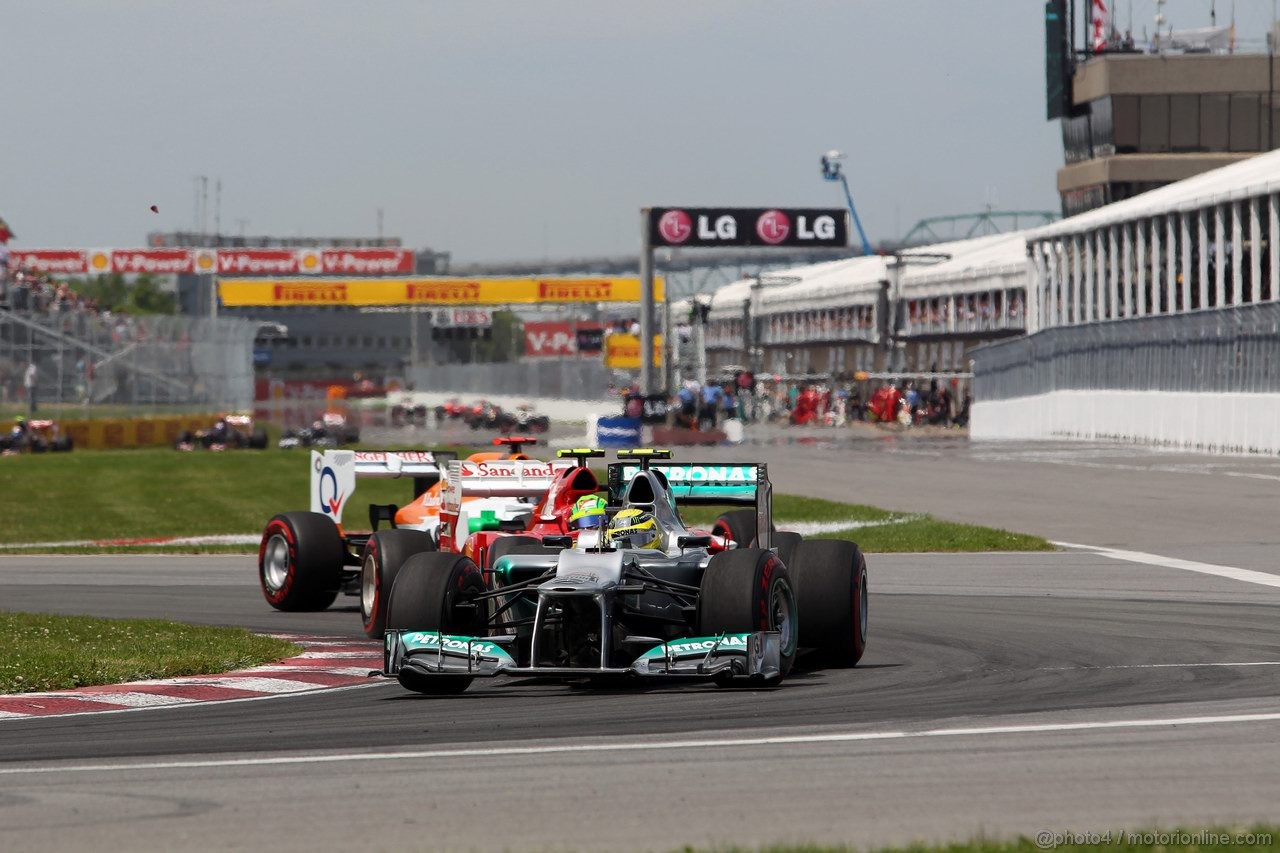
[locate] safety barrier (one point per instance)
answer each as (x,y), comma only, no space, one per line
(1205,380)
(117,433)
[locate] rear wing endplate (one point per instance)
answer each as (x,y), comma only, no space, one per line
(334,473)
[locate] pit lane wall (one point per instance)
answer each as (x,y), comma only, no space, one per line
(1206,380)
(119,433)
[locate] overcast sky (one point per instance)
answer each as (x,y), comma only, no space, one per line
(520,130)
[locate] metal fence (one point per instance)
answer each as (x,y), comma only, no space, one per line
(565,379)
(1226,350)
(144,363)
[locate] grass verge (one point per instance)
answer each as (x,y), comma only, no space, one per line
(1201,840)
(120,494)
(154,493)
(881,531)
(44,652)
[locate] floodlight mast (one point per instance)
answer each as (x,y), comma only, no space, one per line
(832,171)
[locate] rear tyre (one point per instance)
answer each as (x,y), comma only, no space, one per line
(436,591)
(746,590)
(258,441)
(831,588)
(738,525)
(63,444)
(300,561)
(384,554)
(788,544)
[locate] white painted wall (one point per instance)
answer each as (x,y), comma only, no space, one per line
(1223,423)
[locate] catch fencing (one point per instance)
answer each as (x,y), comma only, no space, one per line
(1232,350)
(145,364)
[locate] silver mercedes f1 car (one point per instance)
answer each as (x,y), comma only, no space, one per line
(609,605)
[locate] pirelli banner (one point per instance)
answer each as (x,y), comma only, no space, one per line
(433,290)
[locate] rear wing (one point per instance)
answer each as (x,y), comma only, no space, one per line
(334,473)
(696,482)
(706,483)
(499,478)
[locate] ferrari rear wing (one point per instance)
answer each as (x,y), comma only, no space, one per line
(334,473)
(505,478)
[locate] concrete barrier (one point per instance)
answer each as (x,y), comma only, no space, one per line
(1220,423)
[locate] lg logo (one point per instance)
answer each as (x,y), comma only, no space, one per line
(746,227)
(773,226)
(675,226)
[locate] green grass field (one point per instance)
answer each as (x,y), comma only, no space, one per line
(133,494)
(44,652)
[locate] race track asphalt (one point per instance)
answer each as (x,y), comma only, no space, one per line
(1033,671)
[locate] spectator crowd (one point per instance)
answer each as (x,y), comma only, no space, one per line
(56,304)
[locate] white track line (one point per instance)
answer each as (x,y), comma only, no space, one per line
(1230,572)
(1155,666)
(652,746)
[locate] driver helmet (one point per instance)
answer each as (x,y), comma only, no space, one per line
(636,525)
(588,512)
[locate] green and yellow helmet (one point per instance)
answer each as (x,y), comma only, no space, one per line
(587,513)
(637,526)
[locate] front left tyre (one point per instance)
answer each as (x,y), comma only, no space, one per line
(436,592)
(300,561)
(747,590)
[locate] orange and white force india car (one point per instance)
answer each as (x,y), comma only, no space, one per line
(307,558)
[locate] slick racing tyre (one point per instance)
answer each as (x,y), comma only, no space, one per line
(788,544)
(738,525)
(300,561)
(258,440)
(831,588)
(746,590)
(436,591)
(384,554)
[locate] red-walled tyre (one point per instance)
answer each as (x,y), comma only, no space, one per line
(747,590)
(300,561)
(831,588)
(385,553)
(436,591)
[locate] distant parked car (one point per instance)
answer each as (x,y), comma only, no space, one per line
(228,432)
(36,436)
(332,430)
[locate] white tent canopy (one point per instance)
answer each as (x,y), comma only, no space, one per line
(990,262)
(1256,176)
(996,262)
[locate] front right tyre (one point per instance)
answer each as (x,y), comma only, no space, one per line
(831,588)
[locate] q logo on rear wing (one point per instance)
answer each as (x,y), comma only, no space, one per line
(333,480)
